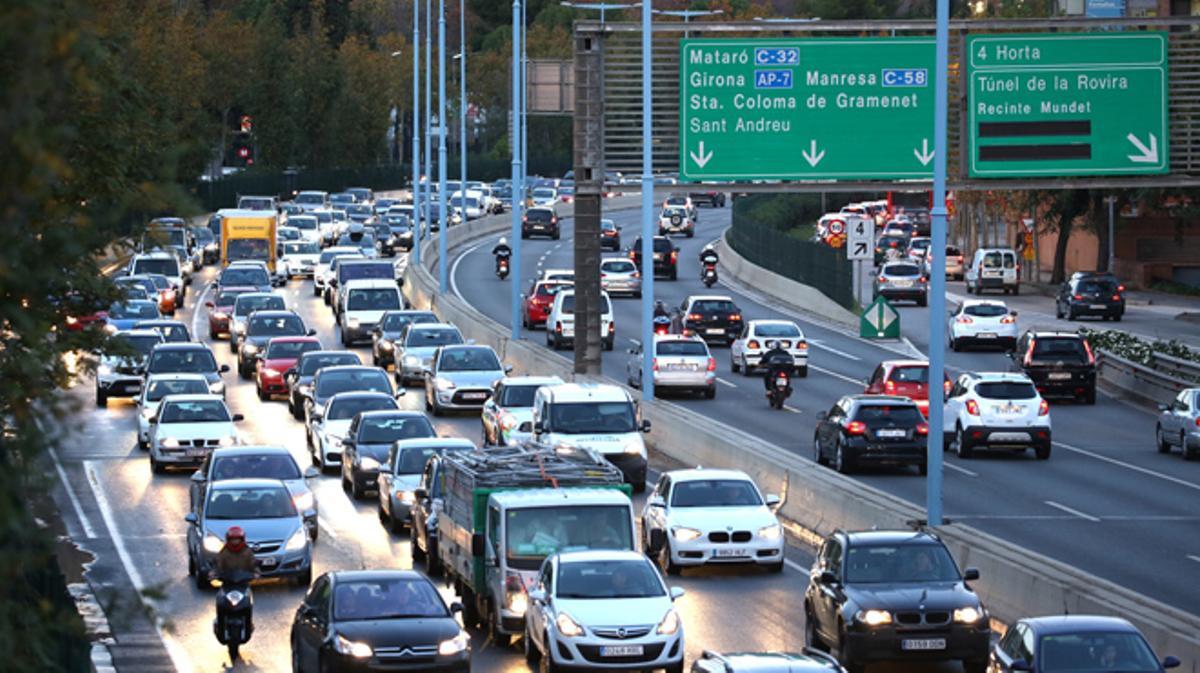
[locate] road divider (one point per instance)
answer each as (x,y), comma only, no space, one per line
(1156,383)
(1015,582)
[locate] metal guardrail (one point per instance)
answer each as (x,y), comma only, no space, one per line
(1184,369)
(1146,383)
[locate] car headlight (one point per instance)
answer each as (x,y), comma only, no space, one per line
(353,323)
(385,344)
(304,389)
(110,328)
(304,501)
(147,413)
(351,648)
(368,463)
(669,623)
(412,361)
(517,602)
(220,315)
(444,384)
(104,370)
(211,247)
(568,627)
(684,534)
(212,543)
(968,615)
(240,327)
(634,449)
(270,373)
(298,539)
(772,532)
(228,441)
(249,348)
(217,388)
(455,645)
(332,442)
(874,617)
(406,496)
(170,443)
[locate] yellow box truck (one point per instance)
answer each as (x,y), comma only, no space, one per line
(248,235)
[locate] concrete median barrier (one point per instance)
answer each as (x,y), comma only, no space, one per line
(1015,583)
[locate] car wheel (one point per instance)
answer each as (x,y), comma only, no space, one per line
(1016,290)
(802,372)
(191,564)
(1117,317)
(923,301)
(968,287)
(954,344)
(961,447)
(1058,314)
(1090,397)
(532,653)
(418,555)
(297,667)
(975,665)
(1042,452)
(297,412)
(501,640)
(710,392)
(436,409)
(305,578)
(356,493)
(1160,440)
(547,661)
(674,274)
(201,580)
(1189,452)
(609,344)
(316,290)
(734,367)
(155,466)
(850,666)
(841,462)
(818,455)
(746,368)
(212,335)
(262,394)
(1071,314)
(665,562)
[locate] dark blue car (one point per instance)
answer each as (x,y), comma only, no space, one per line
(1075,643)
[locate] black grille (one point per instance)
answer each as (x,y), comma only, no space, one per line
(741,536)
(649,653)
(460,399)
(908,617)
(719,536)
(913,618)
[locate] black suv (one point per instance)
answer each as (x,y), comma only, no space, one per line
(300,377)
(541,222)
(1058,363)
(666,256)
(712,318)
(1090,294)
(894,596)
(874,429)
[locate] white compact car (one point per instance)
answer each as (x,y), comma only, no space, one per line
(996,411)
(560,323)
(603,610)
(187,428)
(365,301)
(322,273)
(507,416)
(159,386)
(980,322)
(711,516)
(680,363)
(745,353)
(299,259)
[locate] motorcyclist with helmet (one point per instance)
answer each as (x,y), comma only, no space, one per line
(501,251)
(777,361)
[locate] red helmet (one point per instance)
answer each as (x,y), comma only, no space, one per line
(235,538)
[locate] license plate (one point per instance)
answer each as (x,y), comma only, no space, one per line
(474,396)
(658,256)
(621,651)
(268,562)
(197,453)
(902,283)
(714,330)
(924,644)
(680,367)
(1059,376)
(891,433)
(725,553)
(1009,437)
(986,335)
(1098,306)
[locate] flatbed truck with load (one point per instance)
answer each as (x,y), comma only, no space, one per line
(505,510)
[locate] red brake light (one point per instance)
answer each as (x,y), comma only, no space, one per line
(712,364)
(1029,354)
(889,387)
(1120,288)
(524,219)
(612,328)
(735,317)
(856,428)
(883,279)
(803,345)
(753,344)
(558,327)
(946,387)
(1198,421)
(554,220)
(1091,356)
(654,364)
(922,428)
(972,407)
(694,316)
(1116,297)
(1007,320)
(674,255)
(964,320)
(1078,297)
(1043,408)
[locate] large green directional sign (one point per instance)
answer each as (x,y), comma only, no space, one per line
(821,109)
(1067,104)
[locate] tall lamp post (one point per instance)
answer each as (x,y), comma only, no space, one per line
(518,188)
(647,209)
(428,114)
(462,102)
(602,7)
(443,208)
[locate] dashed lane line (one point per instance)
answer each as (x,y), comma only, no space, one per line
(726,383)
(836,375)
(1070,510)
(1130,466)
(961,470)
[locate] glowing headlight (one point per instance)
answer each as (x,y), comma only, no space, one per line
(352,648)
(518,602)
(240,327)
(771,532)
(212,543)
(455,645)
(110,328)
(968,615)
(104,370)
(684,534)
(228,441)
(72,321)
(568,627)
(353,323)
(385,344)
(633,449)
(220,315)
(147,413)
(304,501)
(249,348)
(406,496)
(270,373)
(874,617)
(669,624)
(412,361)
(170,443)
(444,384)
(368,463)
(298,539)
(217,388)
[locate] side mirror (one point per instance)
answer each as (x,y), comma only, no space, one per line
(312,332)
(1014,313)
(224,369)
(209,304)
(677,593)
(237,418)
(311,473)
(456,607)
(401,392)
(658,540)
(290,373)
(656,501)
(1020,665)
(420,493)
(821,415)
(192,518)
(827,578)
(1171,662)
(1162,407)
(645,427)
(198,477)
(310,513)
(970,574)
(477,544)
(539,427)
(537,596)
(773,500)
(508,369)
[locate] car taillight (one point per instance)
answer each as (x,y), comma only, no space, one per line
(554,220)
(753,344)
(856,428)
(558,327)
(1077,297)
(712,364)
(924,279)
(922,428)
(1043,408)
(889,387)
(1116,297)
(674,255)
(632,254)
(972,407)
(735,317)
(1007,320)
(946,387)
(1198,421)
(1120,288)
(654,364)
(883,279)
(695,316)
(637,274)
(1029,354)
(524,219)
(1091,356)
(959,258)
(612,327)
(964,320)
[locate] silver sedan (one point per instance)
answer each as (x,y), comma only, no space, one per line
(619,275)
(1179,424)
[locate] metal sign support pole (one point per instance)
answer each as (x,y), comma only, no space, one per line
(517,171)
(937,302)
(444,207)
(416,134)
(647,210)
(428,116)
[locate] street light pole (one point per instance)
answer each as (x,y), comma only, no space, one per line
(524,103)
(517,170)
(416,138)
(462,105)
(647,209)
(443,209)
(428,114)
(937,299)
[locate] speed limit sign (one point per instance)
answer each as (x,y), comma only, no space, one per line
(837,227)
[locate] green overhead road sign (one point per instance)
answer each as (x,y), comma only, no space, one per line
(1067,104)
(820,109)
(879,321)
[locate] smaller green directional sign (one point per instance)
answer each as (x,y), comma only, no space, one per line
(879,321)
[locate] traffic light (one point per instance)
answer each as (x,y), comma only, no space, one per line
(242,150)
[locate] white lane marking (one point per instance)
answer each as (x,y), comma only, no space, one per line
(1070,510)
(963,470)
(726,383)
(62,475)
(1130,466)
(794,566)
(454,271)
(1194,557)
(794,410)
(178,655)
(196,306)
(836,375)
(821,344)
(324,525)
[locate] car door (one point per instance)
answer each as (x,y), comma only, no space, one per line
(828,428)
(875,381)
(350,444)
(539,616)
(1006,651)
(492,550)
(954,402)
(1178,415)
(312,622)
(826,601)
(654,517)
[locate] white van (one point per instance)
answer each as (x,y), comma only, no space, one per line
(560,324)
(994,269)
(598,417)
(365,300)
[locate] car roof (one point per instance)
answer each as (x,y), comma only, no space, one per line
(154,254)
(374,575)
(891,537)
(258,294)
(586,392)
(531,380)
(869,399)
(1005,377)
(253,450)
(138,333)
(358,394)
(434,442)
(905,363)
(274,313)
(182,346)
(592,555)
(329,352)
(698,474)
(432,325)
(405,413)
(195,397)
(231,484)
(410,311)
(1039,333)
(178,376)
(772,321)
(371,284)
(659,338)
(984,302)
(151,323)
(773,662)
(291,339)
(1077,623)
(709,297)
(463,347)
(345,368)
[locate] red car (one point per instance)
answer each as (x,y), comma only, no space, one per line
(907,378)
(221,308)
(280,355)
(535,306)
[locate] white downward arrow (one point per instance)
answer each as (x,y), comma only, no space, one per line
(812,156)
(701,158)
(924,155)
(1149,155)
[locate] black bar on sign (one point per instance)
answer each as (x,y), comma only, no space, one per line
(1043,128)
(1034,152)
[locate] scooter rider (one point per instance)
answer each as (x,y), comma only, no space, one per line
(777,361)
(501,251)
(708,255)
(660,310)
(235,555)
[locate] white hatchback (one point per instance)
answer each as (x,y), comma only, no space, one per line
(745,353)
(186,428)
(159,386)
(980,322)
(996,411)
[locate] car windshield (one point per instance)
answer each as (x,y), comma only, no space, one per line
(252,276)
(772,330)
(539,215)
(1006,390)
(903,414)
(373,299)
(543,193)
(332,383)
(301,248)
(191,361)
(274,465)
(342,199)
(252,203)
(715,493)
(899,563)
(986,310)
(919,244)
(246,305)
(394,322)
(680,348)
(203,235)
(250,503)
(391,598)
(890,241)
(592,417)
(900,270)
(136,288)
(277,350)
(423,338)
(618,266)
(310,199)
(533,533)
(481,359)
(309,365)
(133,310)
(142,345)
(341,410)
(160,388)
(1095,653)
(568,304)
(167,266)
(518,395)
(194,411)
(160,282)
(303,223)
(227,297)
(608,579)
(713,306)
(366,270)
(360,210)
(1053,348)
(916,374)
(387,429)
(328,256)
(287,234)
(174,333)
(247,248)
(283,325)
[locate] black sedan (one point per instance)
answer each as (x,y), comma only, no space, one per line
(368,441)
(374,620)
(261,328)
(1090,295)
(390,329)
(666,256)
(1075,643)
(300,377)
(871,429)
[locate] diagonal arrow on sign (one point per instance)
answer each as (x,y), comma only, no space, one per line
(814,157)
(924,155)
(1149,155)
(701,159)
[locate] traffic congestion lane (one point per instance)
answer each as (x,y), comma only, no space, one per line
(1014,497)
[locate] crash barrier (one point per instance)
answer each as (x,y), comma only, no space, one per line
(1156,383)
(1014,582)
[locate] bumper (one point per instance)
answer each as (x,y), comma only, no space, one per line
(539,230)
(875,452)
(181,456)
(218,326)
(754,359)
(120,385)
(462,398)
(911,294)
(685,380)
(888,644)
(985,437)
(411,371)
(363,331)
(585,652)
(710,332)
(401,510)
(459,663)
(537,316)
(1006,339)
(701,551)
(273,386)
(622,287)
(632,465)
(1100,308)
(1078,382)
(995,283)
(386,356)
(275,564)
(365,480)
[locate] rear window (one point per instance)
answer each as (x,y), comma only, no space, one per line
(1058,348)
(287,325)
(905,413)
(309,366)
(910,375)
(246,305)
(421,338)
(535,215)
(395,322)
(167,266)
(952,251)
(245,276)
(713,306)
(387,429)
(680,348)
(362,379)
(901,270)
(618,266)
(995,260)
(776,331)
(1003,390)
(986,310)
(1098,286)
(518,395)
(549,289)
(660,245)
(568,304)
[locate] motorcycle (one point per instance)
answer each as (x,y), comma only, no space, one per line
(709,274)
(780,390)
(662,325)
(235,606)
(502,267)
